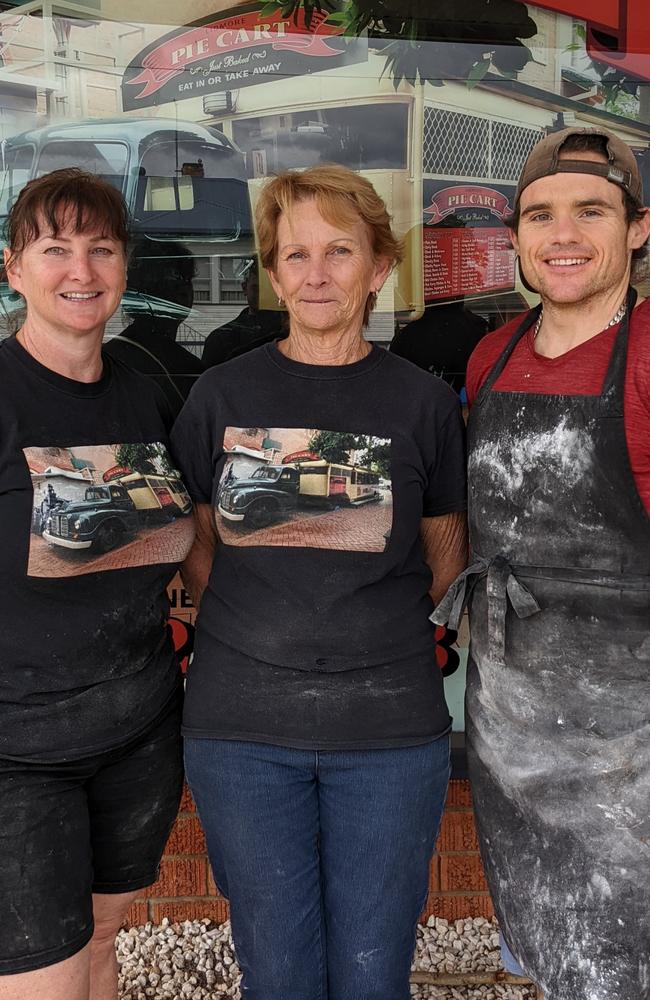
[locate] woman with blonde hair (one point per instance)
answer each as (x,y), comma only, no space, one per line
(316,728)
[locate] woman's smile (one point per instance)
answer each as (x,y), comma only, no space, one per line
(72,282)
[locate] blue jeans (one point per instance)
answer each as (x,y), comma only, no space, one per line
(324,856)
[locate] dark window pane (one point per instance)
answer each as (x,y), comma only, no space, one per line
(353,136)
(190,187)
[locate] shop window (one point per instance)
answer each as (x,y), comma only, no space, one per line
(510,147)
(353,136)
(109,159)
(18,164)
(188,186)
(461,145)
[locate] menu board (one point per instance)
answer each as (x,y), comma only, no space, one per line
(458,262)
(466,244)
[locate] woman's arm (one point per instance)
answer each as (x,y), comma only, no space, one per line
(444,540)
(198,564)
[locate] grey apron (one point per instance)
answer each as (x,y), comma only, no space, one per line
(558,696)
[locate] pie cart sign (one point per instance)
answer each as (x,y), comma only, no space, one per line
(238,49)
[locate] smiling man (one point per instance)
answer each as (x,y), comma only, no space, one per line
(558,699)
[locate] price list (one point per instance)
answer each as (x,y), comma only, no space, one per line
(461,262)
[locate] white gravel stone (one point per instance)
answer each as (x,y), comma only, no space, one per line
(195,960)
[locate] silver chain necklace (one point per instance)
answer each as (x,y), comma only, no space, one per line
(616,318)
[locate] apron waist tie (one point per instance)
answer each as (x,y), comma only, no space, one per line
(502,586)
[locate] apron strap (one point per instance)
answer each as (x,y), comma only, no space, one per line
(528,320)
(614,385)
(502,586)
(449,610)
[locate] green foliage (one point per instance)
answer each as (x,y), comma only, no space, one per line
(618,99)
(477,72)
(138,457)
(431,40)
(165,463)
(291,8)
(333,446)
(377,457)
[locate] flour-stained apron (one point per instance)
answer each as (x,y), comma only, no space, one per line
(558,698)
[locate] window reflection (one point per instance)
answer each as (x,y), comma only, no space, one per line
(442,340)
(188,119)
(109,159)
(353,136)
(18,166)
(191,187)
(158,300)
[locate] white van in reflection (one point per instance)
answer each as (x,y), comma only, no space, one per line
(180,180)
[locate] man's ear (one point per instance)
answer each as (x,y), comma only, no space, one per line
(513,239)
(638,231)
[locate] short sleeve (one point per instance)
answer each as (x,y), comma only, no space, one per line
(446,490)
(193,445)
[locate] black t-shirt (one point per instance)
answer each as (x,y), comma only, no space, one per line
(93,521)
(320,476)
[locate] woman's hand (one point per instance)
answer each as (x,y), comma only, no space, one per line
(444,540)
(196,569)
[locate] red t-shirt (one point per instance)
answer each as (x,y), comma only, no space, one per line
(580,371)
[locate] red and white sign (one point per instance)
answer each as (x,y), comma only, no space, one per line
(116,472)
(466,245)
(235,50)
(300,456)
(461,196)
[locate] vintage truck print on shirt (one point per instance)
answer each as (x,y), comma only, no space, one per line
(99,507)
(305,487)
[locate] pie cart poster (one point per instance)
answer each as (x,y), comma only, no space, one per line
(466,243)
(237,49)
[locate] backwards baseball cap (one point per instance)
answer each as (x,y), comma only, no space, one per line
(621,167)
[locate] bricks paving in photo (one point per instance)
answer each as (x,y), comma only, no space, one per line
(360,529)
(158,544)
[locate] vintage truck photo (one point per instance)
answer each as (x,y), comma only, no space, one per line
(273,490)
(111,514)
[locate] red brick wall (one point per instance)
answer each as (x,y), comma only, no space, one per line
(186,890)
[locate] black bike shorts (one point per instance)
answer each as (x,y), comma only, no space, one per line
(67,830)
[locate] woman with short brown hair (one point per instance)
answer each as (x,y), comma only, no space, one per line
(90,690)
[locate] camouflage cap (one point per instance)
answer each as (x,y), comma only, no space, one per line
(621,168)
